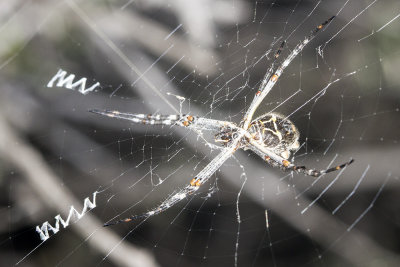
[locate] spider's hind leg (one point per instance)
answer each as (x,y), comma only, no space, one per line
(317,173)
(288,166)
(278,161)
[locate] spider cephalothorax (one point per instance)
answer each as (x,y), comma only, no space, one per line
(225,135)
(271,136)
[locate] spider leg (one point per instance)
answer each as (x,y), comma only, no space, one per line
(268,74)
(317,173)
(191,188)
(282,163)
(280,49)
(189,121)
(269,81)
(271,69)
(139,118)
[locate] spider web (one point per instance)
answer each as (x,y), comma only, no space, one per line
(206,58)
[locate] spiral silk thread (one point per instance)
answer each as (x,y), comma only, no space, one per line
(68,82)
(46,226)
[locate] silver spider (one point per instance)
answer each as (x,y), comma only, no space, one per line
(272,136)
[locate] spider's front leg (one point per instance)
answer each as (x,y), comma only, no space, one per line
(189,121)
(277,161)
(192,187)
(269,80)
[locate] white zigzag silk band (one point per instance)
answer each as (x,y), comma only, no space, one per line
(69,83)
(46,226)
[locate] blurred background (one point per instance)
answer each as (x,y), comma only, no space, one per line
(206,58)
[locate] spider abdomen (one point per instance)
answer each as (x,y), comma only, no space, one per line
(275,132)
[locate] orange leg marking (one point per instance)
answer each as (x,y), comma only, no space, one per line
(285,163)
(186,123)
(195,182)
(190,118)
(274,78)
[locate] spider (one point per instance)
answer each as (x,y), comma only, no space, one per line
(271,136)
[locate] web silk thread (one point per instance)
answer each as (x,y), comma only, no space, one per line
(68,82)
(43,231)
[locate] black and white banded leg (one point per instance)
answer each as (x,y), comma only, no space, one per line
(279,162)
